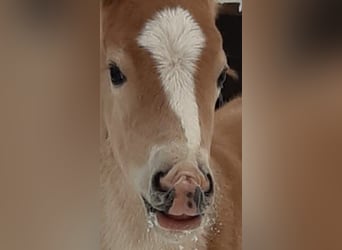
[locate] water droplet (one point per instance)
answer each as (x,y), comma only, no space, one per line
(195,239)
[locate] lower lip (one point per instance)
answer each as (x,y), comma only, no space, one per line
(178,223)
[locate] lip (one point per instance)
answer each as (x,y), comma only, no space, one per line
(178,223)
(171,222)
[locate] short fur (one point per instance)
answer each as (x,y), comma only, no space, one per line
(176,42)
(137,118)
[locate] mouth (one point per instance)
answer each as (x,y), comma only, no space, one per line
(171,222)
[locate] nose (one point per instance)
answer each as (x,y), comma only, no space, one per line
(183,190)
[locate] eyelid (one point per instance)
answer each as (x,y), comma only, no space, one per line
(224,70)
(111,64)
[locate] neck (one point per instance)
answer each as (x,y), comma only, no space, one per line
(125,221)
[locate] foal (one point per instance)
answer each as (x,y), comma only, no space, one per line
(171,166)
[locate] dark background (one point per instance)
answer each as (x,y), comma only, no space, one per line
(229,23)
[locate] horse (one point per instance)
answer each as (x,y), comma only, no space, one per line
(170,164)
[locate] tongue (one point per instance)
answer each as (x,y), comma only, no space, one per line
(180,218)
(178,223)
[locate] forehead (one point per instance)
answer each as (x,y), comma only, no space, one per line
(162,47)
(124,20)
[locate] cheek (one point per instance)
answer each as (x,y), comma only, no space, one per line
(206,106)
(206,118)
(207,128)
(127,141)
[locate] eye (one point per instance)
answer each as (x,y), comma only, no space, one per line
(117,77)
(222,78)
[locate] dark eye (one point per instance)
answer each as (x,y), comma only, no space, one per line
(222,78)
(117,77)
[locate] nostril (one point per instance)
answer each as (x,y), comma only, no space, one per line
(210,190)
(156,186)
(198,199)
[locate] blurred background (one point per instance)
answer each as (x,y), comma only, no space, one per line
(292,124)
(49,71)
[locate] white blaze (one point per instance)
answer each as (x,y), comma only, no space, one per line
(175,41)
